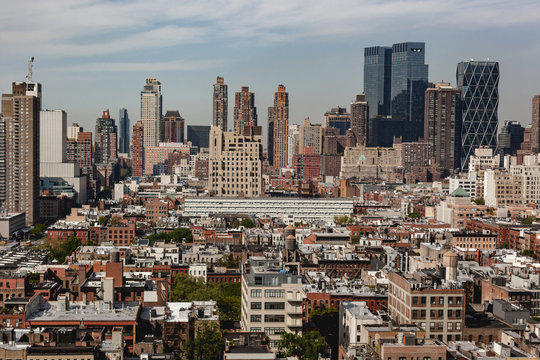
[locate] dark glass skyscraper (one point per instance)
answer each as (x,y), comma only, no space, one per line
(478,82)
(409,84)
(377,79)
(198,135)
(123,132)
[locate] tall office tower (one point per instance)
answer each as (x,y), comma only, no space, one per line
(442,127)
(409,84)
(137,149)
(479,85)
(377,79)
(198,135)
(73,130)
(360,119)
(20,111)
(53,136)
(292,143)
(221,104)
(310,137)
(2,160)
(123,131)
(510,138)
(280,128)
(338,118)
(106,133)
(270,136)
(245,112)
(235,162)
(151,111)
(535,124)
(172,127)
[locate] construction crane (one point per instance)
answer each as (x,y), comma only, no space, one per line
(30,64)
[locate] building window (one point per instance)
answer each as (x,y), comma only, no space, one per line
(449,326)
(274,318)
(255,318)
(458,326)
(433,300)
(274,305)
(441,300)
(256,305)
(256,293)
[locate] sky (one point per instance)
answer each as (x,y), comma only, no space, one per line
(95,55)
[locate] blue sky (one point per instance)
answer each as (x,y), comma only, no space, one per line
(94,55)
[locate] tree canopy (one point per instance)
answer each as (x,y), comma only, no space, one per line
(326,320)
(528,220)
(248,223)
(38,229)
(209,344)
(178,235)
(65,249)
(307,346)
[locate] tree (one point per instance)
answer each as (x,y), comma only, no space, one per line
(414,215)
(178,235)
(343,220)
(355,239)
(104,194)
(209,344)
(38,229)
(307,346)
(248,223)
(228,261)
(528,252)
(65,249)
(115,220)
(326,320)
(479,201)
(103,220)
(528,220)
(504,245)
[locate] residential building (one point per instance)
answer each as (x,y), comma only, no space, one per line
(278,127)
(235,162)
(352,316)
(467,240)
(271,298)
(510,138)
(479,85)
(308,165)
(245,112)
(73,130)
(220,104)
(19,147)
(377,79)
(442,125)
(106,139)
(360,119)
(155,155)
(123,131)
(530,173)
(292,142)
(172,127)
(502,189)
(370,162)
(310,136)
(151,111)
(338,118)
(137,149)
(535,129)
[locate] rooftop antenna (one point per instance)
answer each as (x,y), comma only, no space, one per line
(30,64)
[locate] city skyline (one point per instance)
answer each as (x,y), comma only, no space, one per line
(321,63)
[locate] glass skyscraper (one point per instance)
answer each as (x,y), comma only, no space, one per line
(123,132)
(478,82)
(377,79)
(409,84)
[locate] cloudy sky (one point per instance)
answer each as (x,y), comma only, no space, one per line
(94,55)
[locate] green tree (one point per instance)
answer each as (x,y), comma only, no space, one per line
(180,235)
(65,249)
(103,220)
(355,239)
(209,344)
(343,220)
(528,252)
(228,261)
(307,346)
(247,223)
(414,215)
(115,220)
(528,220)
(479,201)
(104,194)
(38,229)
(326,320)
(504,245)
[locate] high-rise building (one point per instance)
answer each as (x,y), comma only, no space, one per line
(270,136)
(172,127)
(377,79)
(360,119)
(151,111)
(479,85)
(221,104)
(278,116)
(73,130)
(245,112)
(409,84)
(20,146)
(310,137)
(535,124)
(510,138)
(106,133)
(235,162)
(292,142)
(198,135)
(123,131)
(442,125)
(338,118)
(137,149)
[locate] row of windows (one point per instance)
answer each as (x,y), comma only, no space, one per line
(268,305)
(434,300)
(256,293)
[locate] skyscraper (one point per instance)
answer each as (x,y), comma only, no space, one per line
(510,138)
(377,79)
(280,128)
(310,137)
(221,104)
(20,147)
(137,150)
(198,135)
(535,124)
(270,136)
(106,133)
(360,119)
(151,111)
(338,118)
(245,112)
(123,131)
(442,126)
(478,82)
(292,142)
(172,127)
(409,84)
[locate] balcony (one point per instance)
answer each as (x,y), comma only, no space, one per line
(293,296)
(294,310)
(294,323)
